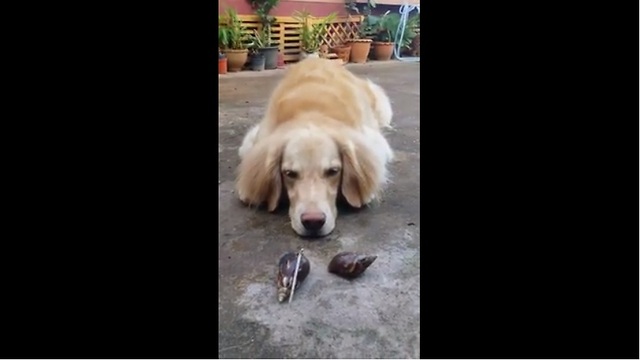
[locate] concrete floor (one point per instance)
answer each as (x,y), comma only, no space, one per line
(374,316)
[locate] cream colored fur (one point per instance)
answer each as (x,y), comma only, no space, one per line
(320,136)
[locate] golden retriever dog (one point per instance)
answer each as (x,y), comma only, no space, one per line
(320,137)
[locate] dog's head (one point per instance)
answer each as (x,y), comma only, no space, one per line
(312,166)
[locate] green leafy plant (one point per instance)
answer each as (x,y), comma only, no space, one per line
(366,29)
(392,22)
(385,28)
(223,36)
(352,7)
(260,39)
(232,34)
(262,9)
(311,34)
(381,27)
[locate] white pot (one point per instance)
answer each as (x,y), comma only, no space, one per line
(304,55)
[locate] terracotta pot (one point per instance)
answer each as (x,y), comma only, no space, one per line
(281,63)
(360,50)
(383,50)
(222,66)
(343,52)
(236,59)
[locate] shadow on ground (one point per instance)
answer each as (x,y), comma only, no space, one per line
(375,316)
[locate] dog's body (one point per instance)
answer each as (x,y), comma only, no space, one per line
(321,134)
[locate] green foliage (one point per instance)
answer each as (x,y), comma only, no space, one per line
(231,33)
(380,27)
(311,34)
(409,33)
(352,7)
(260,39)
(385,28)
(367,28)
(262,9)
(223,36)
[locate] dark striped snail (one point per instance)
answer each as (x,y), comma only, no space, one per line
(350,265)
(286,276)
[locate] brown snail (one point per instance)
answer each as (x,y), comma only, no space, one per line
(350,265)
(286,276)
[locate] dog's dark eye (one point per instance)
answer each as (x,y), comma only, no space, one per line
(290,174)
(332,171)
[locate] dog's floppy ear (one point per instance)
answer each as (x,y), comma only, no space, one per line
(360,172)
(259,178)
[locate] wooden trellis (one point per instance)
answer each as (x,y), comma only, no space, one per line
(340,31)
(285,32)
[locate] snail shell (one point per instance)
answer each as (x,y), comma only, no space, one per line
(286,271)
(350,265)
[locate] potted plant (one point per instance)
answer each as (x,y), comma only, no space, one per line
(256,61)
(233,38)
(269,49)
(404,41)
(410,38)
(383,43)
(343,51)
(257,58)
(415,46)
(361,45)
(222,63)
(311,33)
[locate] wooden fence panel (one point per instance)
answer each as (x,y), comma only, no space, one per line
(285,32)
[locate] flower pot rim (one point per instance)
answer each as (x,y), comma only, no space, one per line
(235,50)
(383,42)
(360,40)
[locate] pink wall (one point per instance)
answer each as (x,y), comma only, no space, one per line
(286,8)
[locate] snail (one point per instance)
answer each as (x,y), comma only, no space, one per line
(287,279)
(350,265)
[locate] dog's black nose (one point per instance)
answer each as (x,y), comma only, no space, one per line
(313,221)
